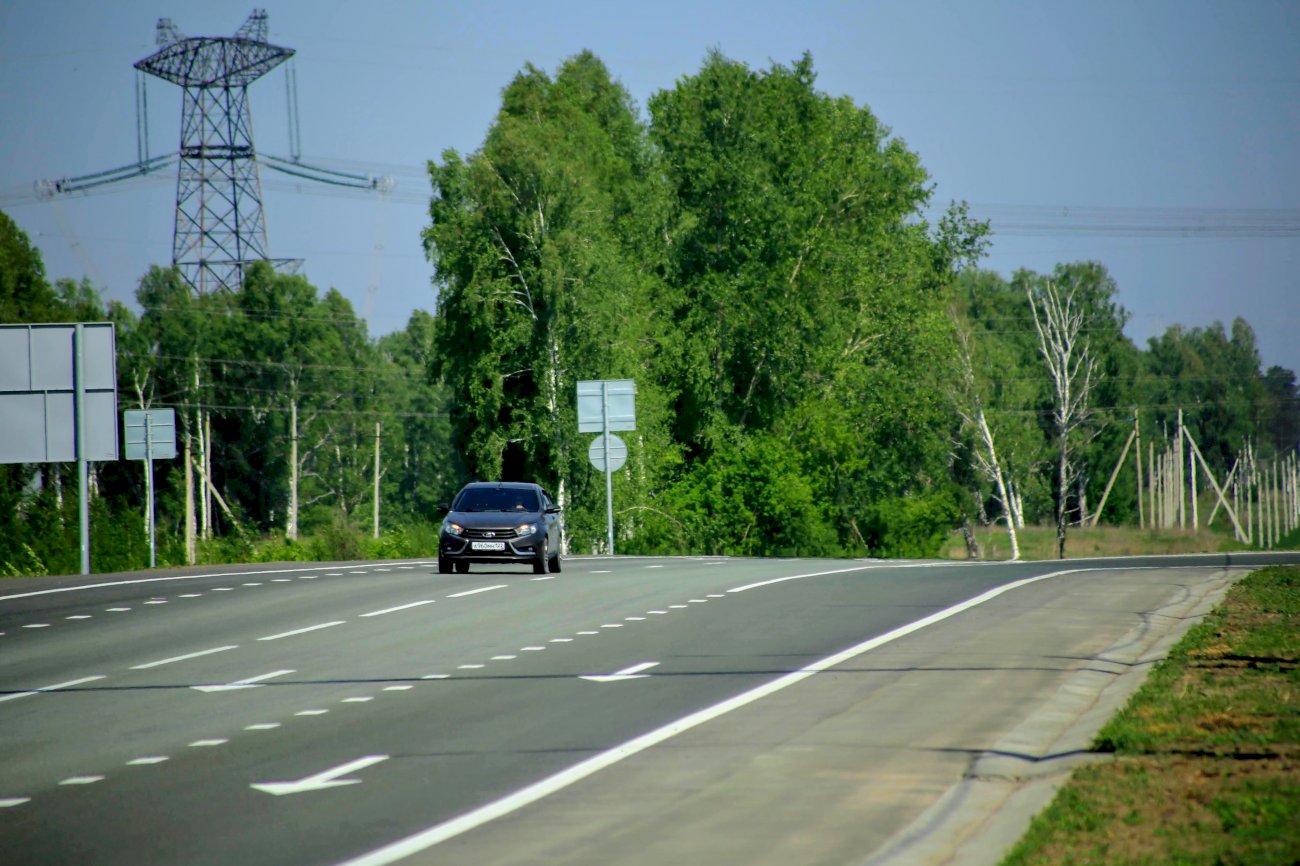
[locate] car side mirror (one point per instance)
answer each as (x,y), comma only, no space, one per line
(442,508)
(553,509)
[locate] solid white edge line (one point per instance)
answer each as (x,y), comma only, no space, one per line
(303,630)
(399,607)
(424,839)
(52,688)
(477,591)
(185,657)
(413,562)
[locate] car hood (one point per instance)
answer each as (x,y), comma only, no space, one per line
(492,519)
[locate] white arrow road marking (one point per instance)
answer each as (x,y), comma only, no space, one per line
(250,683)
(632,673)
(321,780)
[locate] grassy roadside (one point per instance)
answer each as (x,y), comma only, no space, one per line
(1207,767)
(1039,542)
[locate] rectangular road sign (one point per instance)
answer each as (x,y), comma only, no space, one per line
(155,428)
(619,394)
(38,393)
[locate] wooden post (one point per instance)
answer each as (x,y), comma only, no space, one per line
(376,530)
(1119,464)
(1191,478)
(1178,473)
(1137,435)
(1229,481)
(1232,512)
(1151,484)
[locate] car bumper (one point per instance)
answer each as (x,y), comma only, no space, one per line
(515,550)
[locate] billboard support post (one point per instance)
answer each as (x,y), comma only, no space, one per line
(79,420)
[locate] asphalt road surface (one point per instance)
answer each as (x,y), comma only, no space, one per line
(641,711)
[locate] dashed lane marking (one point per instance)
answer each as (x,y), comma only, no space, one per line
(477,591)
(399,607)
(207,744)
(298,631)
(10,802)
(183,658)
(146,761)
(69,684)
(82,780)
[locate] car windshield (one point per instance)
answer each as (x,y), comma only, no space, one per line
(496,499)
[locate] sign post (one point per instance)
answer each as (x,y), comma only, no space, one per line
(606,405)
(150,435)
(58,401)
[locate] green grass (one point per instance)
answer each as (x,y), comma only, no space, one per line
(1207,768)
(1039,542)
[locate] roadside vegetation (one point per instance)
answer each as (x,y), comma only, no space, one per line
(822,369)
(1207,753)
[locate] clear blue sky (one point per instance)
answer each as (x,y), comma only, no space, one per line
(1160,138)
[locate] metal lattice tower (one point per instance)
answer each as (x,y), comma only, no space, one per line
(220,227)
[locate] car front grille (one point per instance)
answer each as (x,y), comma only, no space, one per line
(490,534)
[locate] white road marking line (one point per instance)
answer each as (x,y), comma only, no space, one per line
(250,683)
(716,595)
(612,625)
(634,618)
(333,574)
(676,606)
(469,667)
(325,779)
(38,625)
(253,584)
(190,595)
(144,762)
(82,780)
(632,673)
(9,802)
(698,600)
(399,607)
(383,569)
(548,577)
(156,601)
(356,572)
(223,589)
(311,712)
(303,630)
(282,580)
(398,688)
(79,616)
(67,685)
(531,649)
(308,576)
(427,838)
(588,632)
(117,609)
(654,566)
(477,591)
(561,640)
(657,612)
(205,744)
(358,700)
(262,572)
(600,571)
(185,657)
(750,586)
(436,677)
(503,658)
(262,726)
(406,566)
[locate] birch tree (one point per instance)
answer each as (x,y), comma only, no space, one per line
(1059,323)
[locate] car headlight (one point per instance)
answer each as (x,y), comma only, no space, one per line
(526,529)
(453,528)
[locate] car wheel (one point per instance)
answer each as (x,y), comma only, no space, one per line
(444,565)
(555,563)
(539,564)
(462,568)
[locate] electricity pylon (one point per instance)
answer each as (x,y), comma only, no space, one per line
(220,226)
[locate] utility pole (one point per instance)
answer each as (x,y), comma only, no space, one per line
(376,521)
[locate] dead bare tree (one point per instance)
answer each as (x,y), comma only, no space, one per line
(1072,370)
(968,399)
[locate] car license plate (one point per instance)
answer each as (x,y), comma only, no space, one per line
(487,545)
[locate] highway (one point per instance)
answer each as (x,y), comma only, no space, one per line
(628,710)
